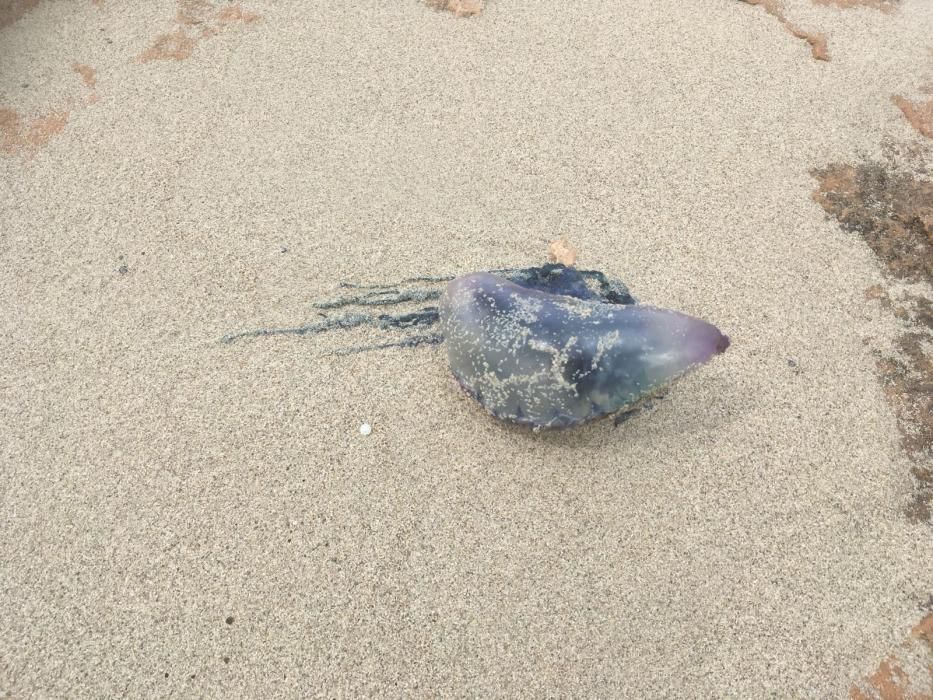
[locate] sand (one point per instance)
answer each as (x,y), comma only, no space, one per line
(187,518)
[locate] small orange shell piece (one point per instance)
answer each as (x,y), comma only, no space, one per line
(560,251)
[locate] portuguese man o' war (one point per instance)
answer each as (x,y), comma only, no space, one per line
(548,346)
(556,360)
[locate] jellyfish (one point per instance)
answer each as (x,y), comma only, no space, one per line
(548,346)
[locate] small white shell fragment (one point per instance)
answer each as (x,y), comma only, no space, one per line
(366,429)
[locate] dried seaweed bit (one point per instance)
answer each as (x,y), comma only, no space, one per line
(918,114)
(412,342)
(891,208)
(560,251)
(886,6)
(907,381)
(892,211)
(460,8)
(818,47)
(901,675)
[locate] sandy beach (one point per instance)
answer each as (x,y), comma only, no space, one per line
(184,517)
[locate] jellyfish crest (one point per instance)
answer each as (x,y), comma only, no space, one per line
(569,281)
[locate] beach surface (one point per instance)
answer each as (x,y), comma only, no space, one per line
(191,518)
